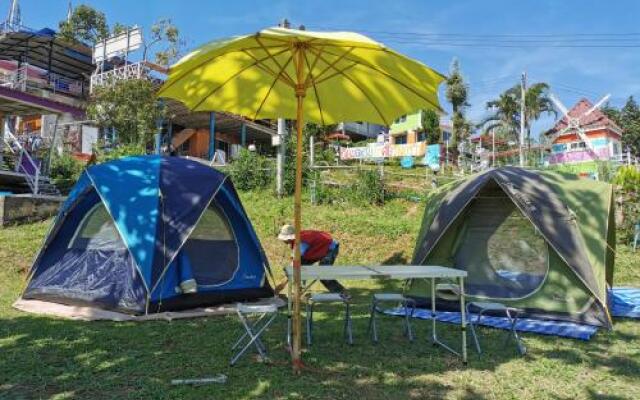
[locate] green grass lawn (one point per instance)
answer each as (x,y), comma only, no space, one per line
(48,358)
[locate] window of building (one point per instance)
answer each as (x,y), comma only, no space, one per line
(400,139)
(577,146)
(422,137)
(401,120)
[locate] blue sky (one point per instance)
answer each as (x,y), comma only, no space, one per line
(573,72)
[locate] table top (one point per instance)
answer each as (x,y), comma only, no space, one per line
(360,272)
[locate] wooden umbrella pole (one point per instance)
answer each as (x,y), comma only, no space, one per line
(297,212)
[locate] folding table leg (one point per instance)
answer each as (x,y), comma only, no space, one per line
(348,323)
(463,321)
(434,335)
(289,314)
(309,322)
(372,322)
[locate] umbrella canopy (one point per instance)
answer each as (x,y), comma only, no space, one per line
(322,77)
(346,77)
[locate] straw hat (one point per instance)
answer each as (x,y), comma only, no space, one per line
(287,232)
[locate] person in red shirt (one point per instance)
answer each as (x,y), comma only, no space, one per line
(315,247)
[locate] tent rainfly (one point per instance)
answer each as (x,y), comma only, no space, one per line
(149,234)
(540,241)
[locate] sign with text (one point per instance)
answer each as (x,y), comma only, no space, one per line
(386,150)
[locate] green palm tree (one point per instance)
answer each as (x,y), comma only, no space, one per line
(506,110)
(457,94)
(505,115)
(536,103)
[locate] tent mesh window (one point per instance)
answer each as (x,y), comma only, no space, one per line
(97,232)
(212,249)
(504,254)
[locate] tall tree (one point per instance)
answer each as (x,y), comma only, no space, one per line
(505,115)
(457,94)
(536,103)
(167,36)
(431,126)
(128,106)
(85,24)
(628,118)
(506,110)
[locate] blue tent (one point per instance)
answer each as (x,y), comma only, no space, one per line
(148,234)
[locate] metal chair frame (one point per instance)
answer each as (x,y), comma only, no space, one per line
(253,329)
(512,315)
(409,305)
(312,300)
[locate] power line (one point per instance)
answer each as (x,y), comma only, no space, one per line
(513,40)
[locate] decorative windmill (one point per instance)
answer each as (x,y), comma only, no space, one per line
(574,123)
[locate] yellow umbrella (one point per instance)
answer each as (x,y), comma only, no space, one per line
(321,77)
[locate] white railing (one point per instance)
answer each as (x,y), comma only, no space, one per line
(25,163)
(129,71)
(20,80)
(29,169)
(626,158)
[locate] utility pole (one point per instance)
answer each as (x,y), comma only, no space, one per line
(523,89)
(282,132)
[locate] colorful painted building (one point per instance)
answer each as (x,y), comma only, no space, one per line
(602,134)
(408,129)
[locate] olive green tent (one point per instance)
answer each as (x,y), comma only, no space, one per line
(540,241)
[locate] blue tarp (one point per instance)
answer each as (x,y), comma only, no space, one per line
(555,328)
(623,302)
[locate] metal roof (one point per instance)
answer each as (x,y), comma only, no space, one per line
(225,122)
(44,50)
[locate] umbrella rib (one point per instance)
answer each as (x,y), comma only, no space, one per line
(276,62)
(315,62)
(277,78)
(228,80)
(330,65)
(190,70)
(315,88)
(386,74)
(373,104)
(326,78)
(268,69)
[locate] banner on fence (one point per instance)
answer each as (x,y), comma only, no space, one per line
(386,150)
(432,156)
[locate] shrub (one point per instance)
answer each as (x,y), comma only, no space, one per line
(627,181)
(65,171)
(250,171)
(369,188)
(119,151)
(628,178)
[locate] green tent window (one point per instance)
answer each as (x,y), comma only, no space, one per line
(501,249)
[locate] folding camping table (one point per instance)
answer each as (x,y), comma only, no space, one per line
(343,272)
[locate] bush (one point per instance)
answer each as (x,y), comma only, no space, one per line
(119,151)
(65,171)
(369,188)
(250,171)
(627,180)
